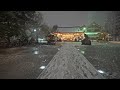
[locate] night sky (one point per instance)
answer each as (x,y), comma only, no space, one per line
(74,18)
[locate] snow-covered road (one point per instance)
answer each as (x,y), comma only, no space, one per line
(68,63)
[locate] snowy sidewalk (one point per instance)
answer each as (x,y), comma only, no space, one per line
(68,63)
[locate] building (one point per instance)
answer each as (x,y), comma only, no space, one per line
(69,36)
(76,33)
(93,30)
(94,27)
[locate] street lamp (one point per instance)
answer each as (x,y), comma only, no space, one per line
(84,28)
(36,34)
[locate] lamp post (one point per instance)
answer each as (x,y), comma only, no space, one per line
(84,29)
(36,32)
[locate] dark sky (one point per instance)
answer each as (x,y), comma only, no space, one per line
(73,18)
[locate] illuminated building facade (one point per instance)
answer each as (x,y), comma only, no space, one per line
(77,33)
(93,30)
(69,36)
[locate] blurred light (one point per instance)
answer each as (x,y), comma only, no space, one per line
(44,41)
(35,49)
(84,28)
(82,52)
(78,49)
(91,33)
(44,60)
(34,30)
(100,71)
(36,52)
(42,67)
(40,39)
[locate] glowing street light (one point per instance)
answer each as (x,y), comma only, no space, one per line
(84,28)
(83,52)
(100,71)
(42,67)
(36,52)
(34,30)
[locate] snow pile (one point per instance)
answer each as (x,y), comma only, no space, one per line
(68,63)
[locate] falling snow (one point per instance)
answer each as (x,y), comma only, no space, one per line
(104,57)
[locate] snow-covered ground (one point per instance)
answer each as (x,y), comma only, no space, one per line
(29,62)
(25,62)
(68,63)
(104,57)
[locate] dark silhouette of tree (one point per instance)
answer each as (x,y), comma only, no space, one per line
(15,23)
(54,29)
(45,29)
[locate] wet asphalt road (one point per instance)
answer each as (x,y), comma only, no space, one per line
(25,62)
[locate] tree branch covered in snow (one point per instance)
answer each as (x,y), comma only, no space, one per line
(15,23)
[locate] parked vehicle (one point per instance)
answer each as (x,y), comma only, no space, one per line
(51,40)
(42,41)
(86,40)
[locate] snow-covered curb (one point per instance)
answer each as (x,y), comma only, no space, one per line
(68,63)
